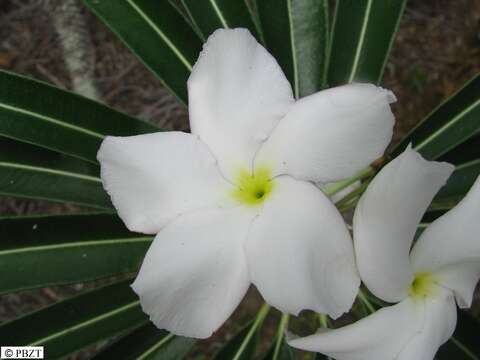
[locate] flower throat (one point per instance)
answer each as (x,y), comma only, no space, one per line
(254,188)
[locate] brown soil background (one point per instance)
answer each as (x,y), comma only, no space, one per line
(436,51)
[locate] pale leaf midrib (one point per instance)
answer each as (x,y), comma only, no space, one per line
(79,244)
(50,171)
(158,345)
(85,323)
(160,33)
(51,120)
(446,126)
(219,14)
(296,84)
(361,40)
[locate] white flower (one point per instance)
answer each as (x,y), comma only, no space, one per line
(233,202)
(443,265)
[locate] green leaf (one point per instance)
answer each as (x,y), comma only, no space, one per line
(240,341)
(150,343)
(210,15)
(362,36)
(280,349)
(33,172)
(464,344)
(296,33)
(39,251)
(452,123)
(463,153)
(458,184)
(282,352)
(160,37)
(35,112)
(75,323)
(242,346)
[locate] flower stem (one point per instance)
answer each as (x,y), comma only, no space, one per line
(261,315)
(323,320)
(363,298)
(324,323)
(280,334)
(352,195)
(340,185)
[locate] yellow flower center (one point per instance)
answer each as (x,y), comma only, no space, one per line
(423,286)
(253,189)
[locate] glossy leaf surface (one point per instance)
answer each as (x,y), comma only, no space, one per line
(148,342)
(362,36)
(158,34)
(38,251)
(296,33)
(35,112)
(454,122)
(77,322)
(33,172)
(210,15)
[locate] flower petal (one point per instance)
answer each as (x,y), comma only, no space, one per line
(237,94)
(379,336)
(450,246)
(409,330)
(155,177)
(331,135)
(299,251)
(194,275)
(439,325)
(386,219)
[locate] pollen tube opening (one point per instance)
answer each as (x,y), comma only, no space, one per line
(423,285)
(253,189)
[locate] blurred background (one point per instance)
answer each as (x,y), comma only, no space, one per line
(436,51)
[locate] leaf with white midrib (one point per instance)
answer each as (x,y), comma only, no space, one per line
(210,15)
(77,322)
(452,123)
(163,38)
(33,172)
(147,342)
(53,250)
(305,26)
(362,37)
(37,113)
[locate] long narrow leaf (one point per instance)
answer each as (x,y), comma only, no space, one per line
(33,172)
(363,34)
(296,32)
(464,344)
(41,114)
(467,151)
(157,34)
(452,123)
(149,343)
(72,324)
(38,251)
(280,349)
(243,345)
(457,185)
(213,14)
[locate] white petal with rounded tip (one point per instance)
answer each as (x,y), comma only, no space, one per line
(451,246)
(299,251)
(155,177)
(439,325)
(331,135)
(194,275)
(237,93)
(380,336)
(386,219)
(409,330)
